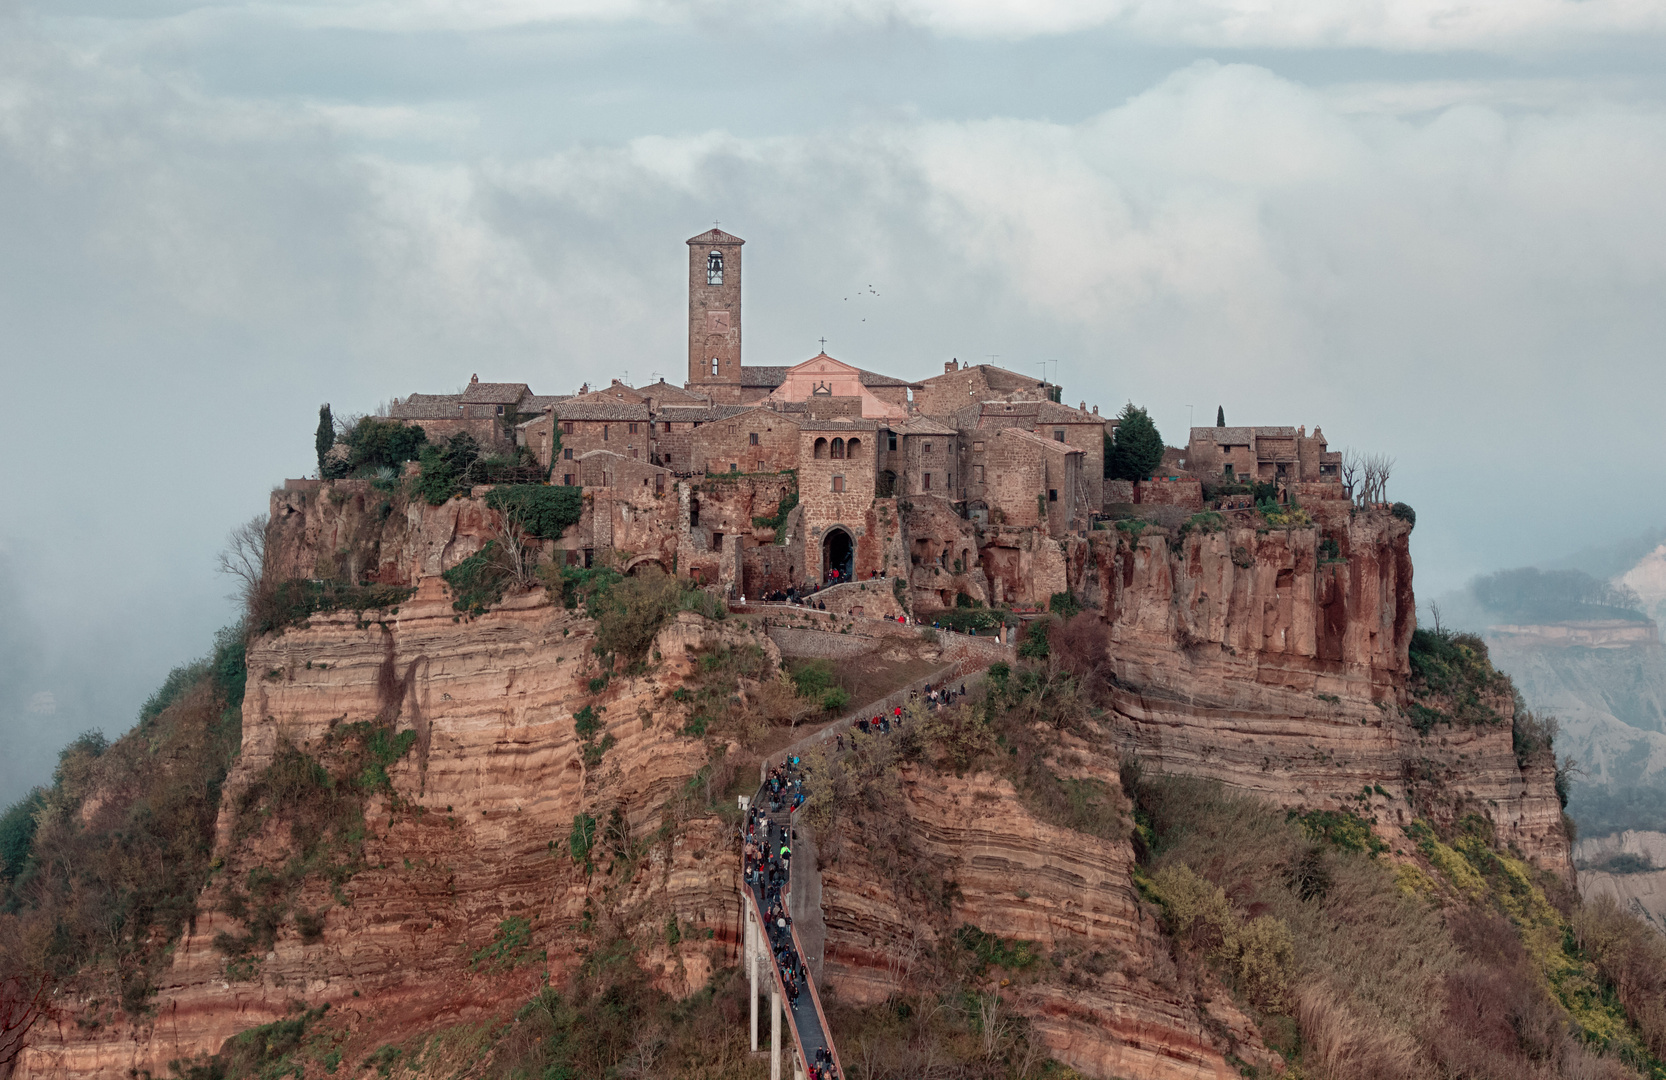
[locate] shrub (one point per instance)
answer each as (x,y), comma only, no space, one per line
(511,945)
(630,613)
(1340,829)
(375,443)
(478,581)
(295,600)
(543,510)
(834,699)
(1207,522)
(812,678)
(1064,604)
(1034,645)
(1404,513)
(445,469)
(582,838)
(1014,954)
(1533,735)
(1453,676)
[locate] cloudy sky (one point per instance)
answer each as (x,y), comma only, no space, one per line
(1437,230)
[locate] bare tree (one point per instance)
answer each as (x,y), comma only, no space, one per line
(1350,471)
(244,558)
(24,999)
(992,1026)
(1385,469)
(517,550)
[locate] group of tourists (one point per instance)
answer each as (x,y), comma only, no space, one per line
(785,786)
(768,866)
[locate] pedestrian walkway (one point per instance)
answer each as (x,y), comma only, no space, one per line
(771,945)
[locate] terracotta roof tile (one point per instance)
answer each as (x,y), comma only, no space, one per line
(495,393)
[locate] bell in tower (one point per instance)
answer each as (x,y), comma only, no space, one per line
(714,315)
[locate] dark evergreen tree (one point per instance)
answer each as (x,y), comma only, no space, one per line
(1137,448)
(326,436)
(1220,415)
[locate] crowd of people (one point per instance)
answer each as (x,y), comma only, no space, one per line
(767,861)
(768,864)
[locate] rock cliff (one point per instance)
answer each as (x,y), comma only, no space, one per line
(1272,660)
(1252,658)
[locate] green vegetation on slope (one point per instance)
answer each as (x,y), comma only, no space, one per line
(102,869)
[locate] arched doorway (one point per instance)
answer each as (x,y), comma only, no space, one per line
(838,556)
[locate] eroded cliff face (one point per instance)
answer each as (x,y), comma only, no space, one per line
(1241,655)
(1252,658)
(474,833)
(1112,1004)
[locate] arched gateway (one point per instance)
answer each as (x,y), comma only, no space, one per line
(838,553)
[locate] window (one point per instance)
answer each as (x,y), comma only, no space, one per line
(927,486)
(977,474)
(838,483)
(733,467)
(633,429)
(714,268)
(892,442)
(717,541)
(977,448)
(659,484)
(1227,472)
(820,450)
(604,433)
(500,410)
(714,365)
(667,427)
(838,449)
(1058,434)
(567,479)
(633,452)
(852,448)
(927,448)
(566,427)
(1052,494)
(752,438)
(567,454)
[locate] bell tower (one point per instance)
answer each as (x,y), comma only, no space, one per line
(714,314)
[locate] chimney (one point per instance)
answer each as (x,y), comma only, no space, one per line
(1083,407)
(585,389)
(1096,410)
(952,365)
(473,379)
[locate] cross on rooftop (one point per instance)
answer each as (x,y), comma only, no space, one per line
(823,344)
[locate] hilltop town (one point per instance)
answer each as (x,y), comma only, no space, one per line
(970,484)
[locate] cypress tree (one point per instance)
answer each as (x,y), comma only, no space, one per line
(1220,415)
(325,437)
(1137,448)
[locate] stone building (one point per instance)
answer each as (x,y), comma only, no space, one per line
(975,481)
(1275,455)
(1034,482)
(756,440)
(961,385)
(596,422)
(1078,428)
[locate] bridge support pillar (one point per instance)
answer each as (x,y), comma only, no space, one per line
(753,961)
(774,1034)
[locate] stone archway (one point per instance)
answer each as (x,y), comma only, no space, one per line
(838,552)
(642,562)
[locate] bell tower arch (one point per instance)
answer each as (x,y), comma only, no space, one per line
(714,314)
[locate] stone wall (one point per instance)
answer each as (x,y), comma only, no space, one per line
(720,444)
(1184,491)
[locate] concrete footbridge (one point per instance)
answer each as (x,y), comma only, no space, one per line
(773,951)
